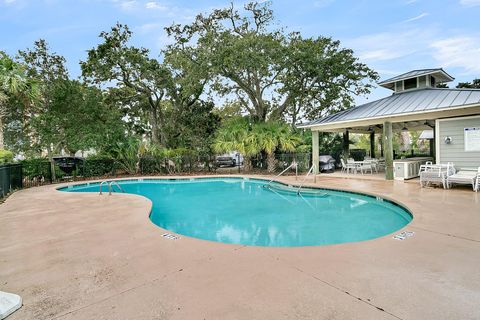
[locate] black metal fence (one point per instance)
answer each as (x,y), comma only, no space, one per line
(10,178)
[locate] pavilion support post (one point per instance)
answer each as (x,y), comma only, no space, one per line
(432,145)
(372,144)
(388,152)
(315,152)
(346,142)
(381,146)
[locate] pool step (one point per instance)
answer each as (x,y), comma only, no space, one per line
(292,189)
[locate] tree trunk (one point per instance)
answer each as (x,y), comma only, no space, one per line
(247,164)
(158,135)
(154,124)
(271,162)
(52,164)
(2,146)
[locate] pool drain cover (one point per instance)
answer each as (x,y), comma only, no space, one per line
(403,235)
(170,236)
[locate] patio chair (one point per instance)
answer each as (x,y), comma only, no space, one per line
(375,164)
(464,177)
(346,167)
(436,174)
(366,166)
(381,164)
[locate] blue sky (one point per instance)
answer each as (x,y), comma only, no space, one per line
(392,36)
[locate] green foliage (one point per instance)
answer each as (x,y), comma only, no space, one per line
(237,134)
(192,127)
(475,84)
(127,154)
(273,136)
(98,166)
(162,99)
(36,168)
(6,156)
(15,86)
(274,75)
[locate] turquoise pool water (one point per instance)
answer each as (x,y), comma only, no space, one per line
(243,211)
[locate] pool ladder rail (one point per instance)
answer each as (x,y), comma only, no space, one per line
(110,185)
(306,176)
(293,165)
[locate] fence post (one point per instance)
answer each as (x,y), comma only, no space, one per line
(21,175)
(50,173)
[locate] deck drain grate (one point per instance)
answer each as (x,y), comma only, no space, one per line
(170,236)
(404,235)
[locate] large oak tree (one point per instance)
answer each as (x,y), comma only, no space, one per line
(273,74)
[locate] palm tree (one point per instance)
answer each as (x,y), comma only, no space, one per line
(236,135)
(14,82)
(273,136)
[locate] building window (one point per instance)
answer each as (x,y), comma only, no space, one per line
(433,82)
(398,86)
(422,81)
(410,83)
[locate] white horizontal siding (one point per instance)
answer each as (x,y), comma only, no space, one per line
(455,151)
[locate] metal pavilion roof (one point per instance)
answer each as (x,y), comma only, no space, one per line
(439,72)
(421,100)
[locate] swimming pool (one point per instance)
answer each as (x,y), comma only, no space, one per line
(244,211)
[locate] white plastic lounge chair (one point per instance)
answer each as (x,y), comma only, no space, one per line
(435,174)
(464,177)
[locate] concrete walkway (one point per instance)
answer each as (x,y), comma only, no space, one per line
(82,256)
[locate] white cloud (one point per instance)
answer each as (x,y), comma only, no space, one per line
(420,16)
(156,6)
(390,45)
(126,5)
(470,3)
(460,51)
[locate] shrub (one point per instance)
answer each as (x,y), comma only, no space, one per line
(36,168)
(97,166)
(6,156)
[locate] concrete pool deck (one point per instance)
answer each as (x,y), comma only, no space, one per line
(85,256)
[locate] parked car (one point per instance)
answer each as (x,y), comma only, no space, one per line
(230,159)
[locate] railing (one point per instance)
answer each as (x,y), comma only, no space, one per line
(305,179)
(101,184)
(10,178)
(278,175)
(110,185)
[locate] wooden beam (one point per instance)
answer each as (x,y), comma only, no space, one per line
(388,152)
(315,152)
(372,144)
(432,144)
(346,142)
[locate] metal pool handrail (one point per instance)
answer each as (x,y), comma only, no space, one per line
(305,179)
(101,183)
(111,185)
(278,175)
